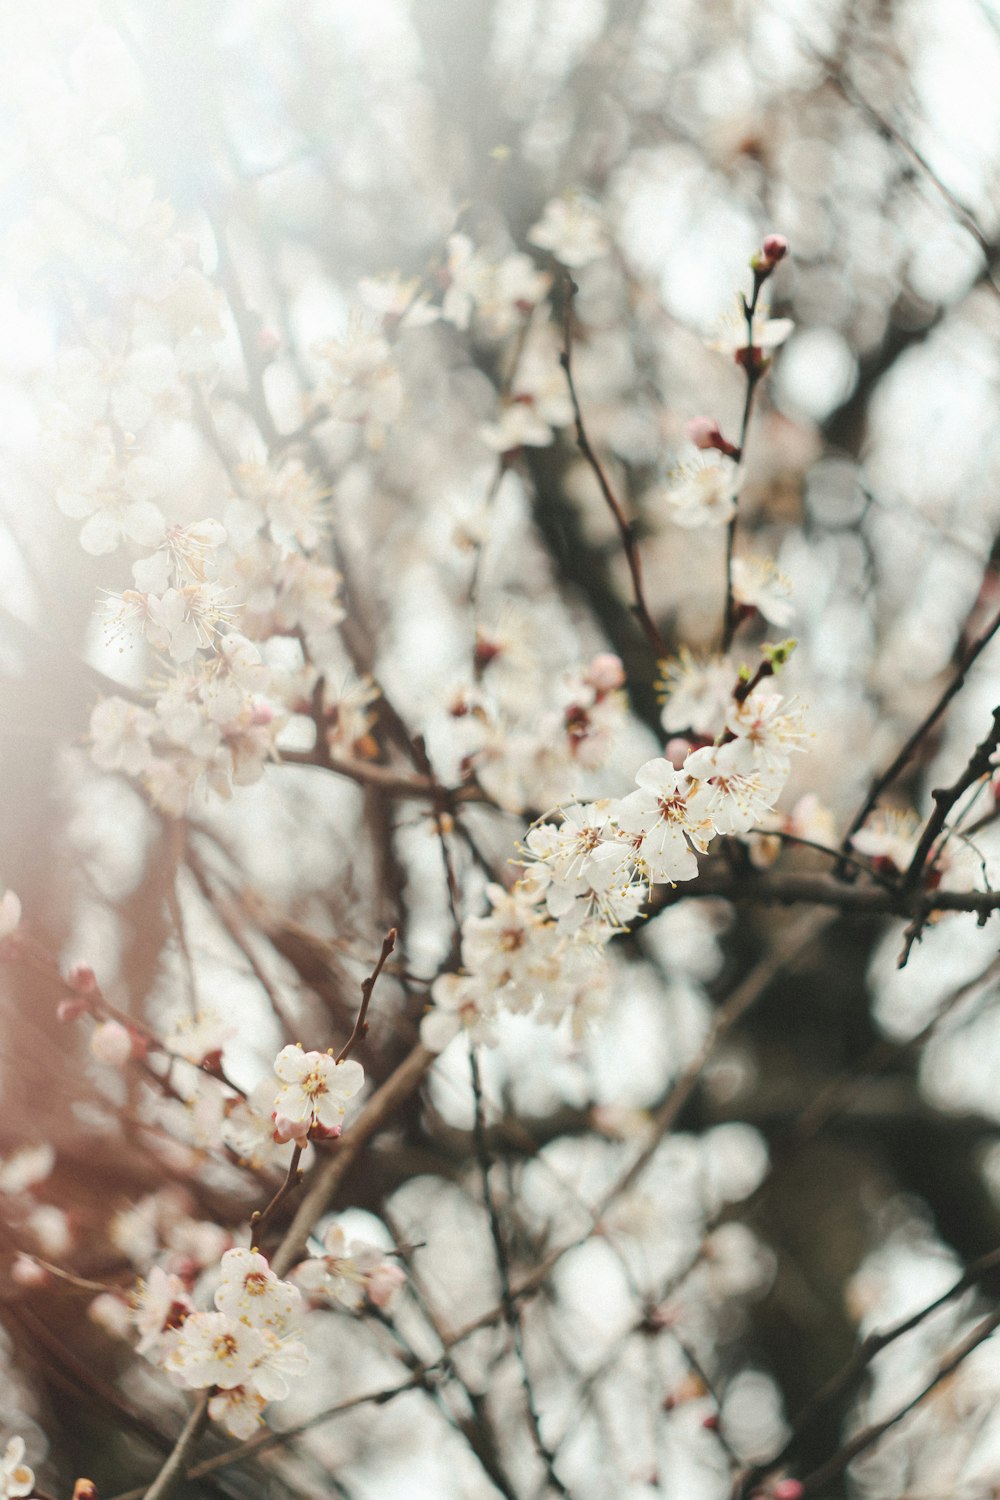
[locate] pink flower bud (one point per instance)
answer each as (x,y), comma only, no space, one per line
(774,248)
(383,1284)
(71,1010)
(788,1489)
(710,1423)
(111,1043)
(605,673)
(82,979)
(677,750)
(706,433)
(289,1130)
(27,1272)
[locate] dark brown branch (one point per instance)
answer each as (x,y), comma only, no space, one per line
(367,986)
(819,1478)
(945,798)
(926,724)
(260,1220)
(851,1371)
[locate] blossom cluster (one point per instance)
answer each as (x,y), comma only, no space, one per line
(588,868)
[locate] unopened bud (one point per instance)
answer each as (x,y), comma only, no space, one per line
(606,672)
(85,1489)
(764,260)
(706,433)
(788,1489)
(71,1010)
(710,1423)
(82,979)
(27,1272)
(289,1130)
(111,1043)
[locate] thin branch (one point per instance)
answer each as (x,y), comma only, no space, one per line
(926,724)
(819,1478)
(174,1470)
(754,366)
(510,1308)
(945,798)
(625,530)
(851,1371)
(262,1218)
(367,986)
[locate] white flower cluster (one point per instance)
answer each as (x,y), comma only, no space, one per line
(530,740)
(349,1273)
(216,714)
(247,1351)
(587,874)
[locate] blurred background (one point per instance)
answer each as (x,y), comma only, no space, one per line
(837,1164)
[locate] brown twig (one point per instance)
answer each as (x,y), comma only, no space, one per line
(818,1480)
(888,776)
(625,530)
(851,1371)
(754,367)
(367,986)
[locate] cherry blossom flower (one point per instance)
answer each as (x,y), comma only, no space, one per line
(667,825)
(460,1004)
(250,1290)
(316,1093)
(112,1043)
(214,1349)
(739,795)
(160,1306)
(198,1038)
(758,585)
(514,288)
(397,302)
(26,1168)
(360,381)
(350,1272)
(16,1479)
(238,1410)
(699,694)
(889,838)
(467,278)
(700,494)
(120,734)
(572,229)
(768,333)
(770,725)
(115,502)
